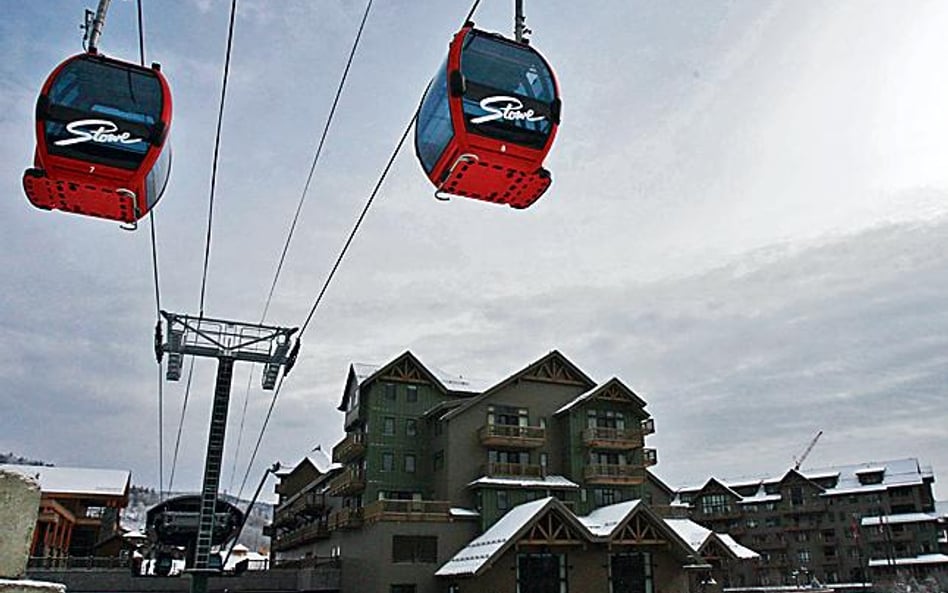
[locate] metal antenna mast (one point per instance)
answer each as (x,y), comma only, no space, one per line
(228,342)
(520,23)
(94,31)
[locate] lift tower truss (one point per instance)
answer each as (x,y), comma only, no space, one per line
(228,342)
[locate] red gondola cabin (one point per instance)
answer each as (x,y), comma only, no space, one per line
(101,139)
(488,119)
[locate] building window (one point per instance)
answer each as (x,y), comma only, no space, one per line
(410,463)
(388,426)
(411,393)
(411,427)
(415,549)
(503,501)
(390,392)
(715,503)
(604,496)
(388,462)
(403,588)
(508,416)
(631,573)
(804,556)
(514,457)
(541,573)
(437,460)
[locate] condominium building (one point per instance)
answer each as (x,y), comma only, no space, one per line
(854,523)
(444,483)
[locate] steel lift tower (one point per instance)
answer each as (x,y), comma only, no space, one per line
(228,342)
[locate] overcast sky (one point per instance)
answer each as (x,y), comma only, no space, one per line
(748,225)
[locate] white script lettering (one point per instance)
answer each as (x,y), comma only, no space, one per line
(103,133)
(511,111)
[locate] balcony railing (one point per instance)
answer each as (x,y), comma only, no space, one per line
(512,436)
(601,437)
(306,503)
(349,518)
(408,510)
(495,469)
(301,535)
(649,457)
(351,447)
(648,426)
(614,474)
(350,481)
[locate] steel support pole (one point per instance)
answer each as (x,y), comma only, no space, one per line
(98,23)
(212,475)
(520,21)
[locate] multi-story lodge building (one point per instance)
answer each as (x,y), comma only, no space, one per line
(538,482)
(855,523)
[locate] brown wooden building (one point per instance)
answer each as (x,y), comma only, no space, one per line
(79,508)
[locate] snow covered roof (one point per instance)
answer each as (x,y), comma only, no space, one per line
(690,531)
(578,400)
(899,472)
(75,480)
(599,525)
(903,518)
(548,482)
(739,550)
(922,559)
(604,520)
(449,381)
(593,391)
(553,356)
(758,497)
(478,553)
(459,512)
(698,536)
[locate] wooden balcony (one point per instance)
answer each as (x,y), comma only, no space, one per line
(408,510)
(507,470)
(300,536)
(350,481)
(620,439)
(648,426)
(350,518)
(649,457)
(512,437)
(617,475)
(310,504)
(351,447)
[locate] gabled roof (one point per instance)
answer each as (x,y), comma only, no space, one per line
(696,535)
(614,387)
(361,373)
(739,551)
(75,480)
(899,472)
(722,485)
(610,522)
(604,520)
(552,367)
(477,555)
(795,473)
(601,525)
(700,538)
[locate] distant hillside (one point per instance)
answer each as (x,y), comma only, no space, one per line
(11,459)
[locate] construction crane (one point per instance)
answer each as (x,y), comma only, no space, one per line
(797,462)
